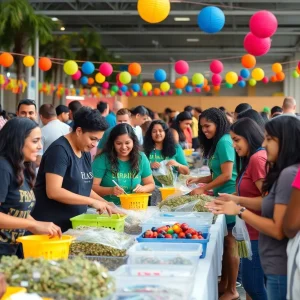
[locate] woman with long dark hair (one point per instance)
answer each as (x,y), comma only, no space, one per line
(181,129)
(139,115)
(20,142)
(253,115)
(283,158)
(64,183)
(217,146)
(122,162)
(247,139)
(159,145)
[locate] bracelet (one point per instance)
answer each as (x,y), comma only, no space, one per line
(241,212)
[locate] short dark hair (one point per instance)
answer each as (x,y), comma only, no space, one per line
(47,111)
(61,109)
(26,102)
(102,106)
(188,108)
(253,115)
(150,113)
(168,110)
(276,110)
(222,108)
(198,109)
(242,107)
(89,120)
(141,110)
(74,106)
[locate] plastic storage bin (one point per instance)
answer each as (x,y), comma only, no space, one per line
(204,242)
(137,201)
(12,290)
(167,191)
(46,247)
(115,222)
(177,280)
(110,262)
(165,254)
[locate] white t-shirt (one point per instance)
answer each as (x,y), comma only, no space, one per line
(139,134)
(52,131)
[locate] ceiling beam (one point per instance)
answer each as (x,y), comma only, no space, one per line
(107,13)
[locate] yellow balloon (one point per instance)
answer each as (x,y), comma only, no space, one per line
(231,77)
(185,79)
(154,11)
(277,67)
(165,86)
(134,94)
(28,61)
(70,67)
(258,74)
(147,86)
(100,78)
(94,90)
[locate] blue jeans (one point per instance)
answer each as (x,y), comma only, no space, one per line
(276,287)
(253,275)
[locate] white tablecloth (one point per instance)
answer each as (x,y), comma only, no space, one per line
(209,268)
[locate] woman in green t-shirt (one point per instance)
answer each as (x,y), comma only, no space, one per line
(159,145)
(217,146)
(122,162)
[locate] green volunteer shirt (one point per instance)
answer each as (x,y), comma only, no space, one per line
(104,138)
(156,156)
(125,178)
(224,153)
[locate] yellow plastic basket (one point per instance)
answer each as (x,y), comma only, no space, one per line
(137,201)
(188,152)
(46,247)
(167,191)
(12,290)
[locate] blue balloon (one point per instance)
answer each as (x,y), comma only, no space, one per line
(189,89)
(160,75)
(88,68)
(124,88)
(199,85)
(178,92)
(245,73)
(84,80)
(136,87)
(77,92)
(211,19)
(242,84)
(123,68)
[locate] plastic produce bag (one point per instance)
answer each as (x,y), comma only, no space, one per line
(164,174)
(243,243)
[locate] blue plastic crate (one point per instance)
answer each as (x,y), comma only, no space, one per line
(204,242)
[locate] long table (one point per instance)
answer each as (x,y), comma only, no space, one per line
(209,268)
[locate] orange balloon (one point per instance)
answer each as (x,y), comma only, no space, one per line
(280,76)
(298,70)
(205,83)
(45,63)
(156,92)
(6,59)
(179,83)
(217,88)
(135,69)
(248,61)
(91,81)
(104,92)
(273,78)
(207,88)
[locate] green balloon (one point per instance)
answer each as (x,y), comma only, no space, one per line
(295,74)
(252,82)
(178,92)
(229,85)
(115,88)
(145,93)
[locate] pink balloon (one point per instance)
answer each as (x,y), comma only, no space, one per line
(162,93)
(240,78)
(150,93)
(198,90)
(140,93)
(77,75)
(265,79)
(170,92)
(263,24)
(106,69)
(119,84)
(105,85)
(216,66)
(120,93)
(216,79)
(256,46)
(299,65)
(181,67)
(127,94)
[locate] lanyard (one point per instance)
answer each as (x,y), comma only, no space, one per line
(241,178)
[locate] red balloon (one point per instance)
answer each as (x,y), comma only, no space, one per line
(216,79)
(263,24)
(256,46)
(216,66)
(265,80)
(170,92)
(127,94)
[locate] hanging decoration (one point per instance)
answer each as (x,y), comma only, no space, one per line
(70,67)
(165,86)
(153,11)
(135,69)
(160,75)
(263,24)
(216,66)
(125,77)
(179,83)
(45,64)
(231,78)
(258,74)
(6,59)
(106,69)
(211,19)
(181,67)
(248,61)
(99,78)
(197,78)
(147,86)
(88,68)
(277,67)
(256,46)
(28,61)
(77,75)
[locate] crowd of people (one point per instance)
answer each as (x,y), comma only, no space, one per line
(84,157)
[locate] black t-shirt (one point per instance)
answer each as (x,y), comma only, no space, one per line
(16,201)
(77,176)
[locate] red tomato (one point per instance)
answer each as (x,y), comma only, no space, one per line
(149,234)
(195,237)
(155,234)
(181,235)
(168,236)
(184,226)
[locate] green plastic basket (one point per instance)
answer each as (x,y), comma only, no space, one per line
(115,222)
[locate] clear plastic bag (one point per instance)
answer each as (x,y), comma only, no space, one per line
(243,242)
(164,174)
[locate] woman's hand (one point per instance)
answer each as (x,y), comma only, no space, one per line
(228,197)
(116,191)
(48,228)
(139,189)
(198,191)
(155,165)
(172,163)
(3,285)
(220,207)
(192,181)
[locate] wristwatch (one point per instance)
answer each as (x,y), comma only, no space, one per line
(241,212)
